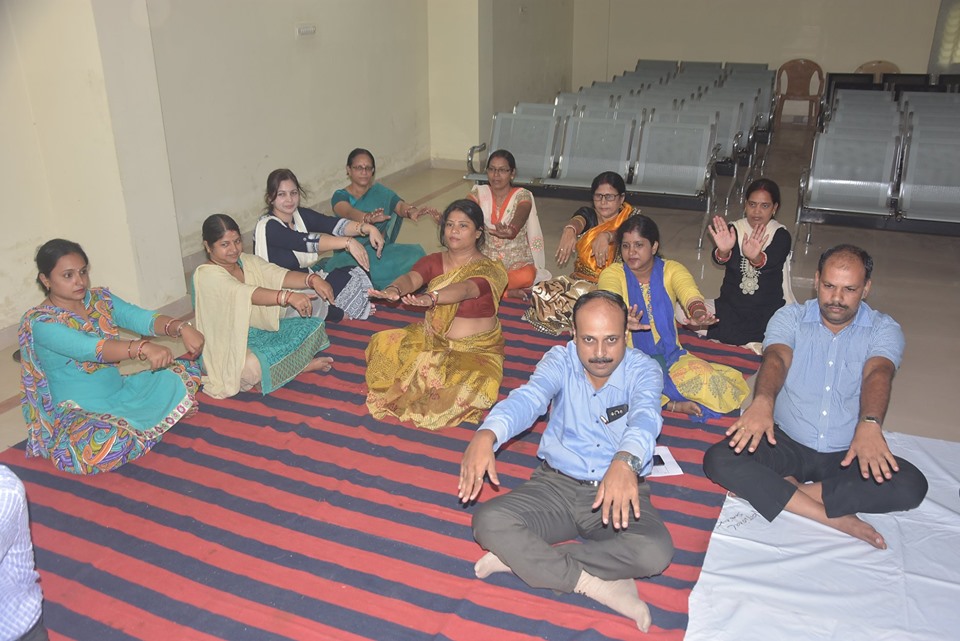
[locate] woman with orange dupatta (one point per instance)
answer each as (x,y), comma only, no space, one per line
(591,234)
(447,369)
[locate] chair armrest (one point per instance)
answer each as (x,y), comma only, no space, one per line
(481,147)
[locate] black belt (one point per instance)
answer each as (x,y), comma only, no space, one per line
(548,468)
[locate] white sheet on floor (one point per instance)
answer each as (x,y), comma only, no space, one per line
(797,579)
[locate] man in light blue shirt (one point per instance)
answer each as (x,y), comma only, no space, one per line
(813,434)
(596,449)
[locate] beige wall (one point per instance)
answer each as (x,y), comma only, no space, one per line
(83,156)
(26,209)
(454,78)
(532,51)
(242,96)
(610,35)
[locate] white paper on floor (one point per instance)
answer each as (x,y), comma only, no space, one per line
(796,579)
(669,466)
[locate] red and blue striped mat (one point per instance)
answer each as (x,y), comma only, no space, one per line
(297,516)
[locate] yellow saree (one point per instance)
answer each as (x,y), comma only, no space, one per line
(551,301)
(419,375)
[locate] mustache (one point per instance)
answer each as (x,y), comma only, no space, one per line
(600,361)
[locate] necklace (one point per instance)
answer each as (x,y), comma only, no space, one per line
(498,209)
(750,280)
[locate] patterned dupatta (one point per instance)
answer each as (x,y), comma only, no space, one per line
(439,319)
(36,401)
(586,265)
(533,230)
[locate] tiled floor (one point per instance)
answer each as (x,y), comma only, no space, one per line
(916,280)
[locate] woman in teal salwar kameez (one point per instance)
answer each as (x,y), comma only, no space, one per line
(366,201)
(81,413)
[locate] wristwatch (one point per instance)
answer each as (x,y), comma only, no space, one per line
(871,419)
(633,461)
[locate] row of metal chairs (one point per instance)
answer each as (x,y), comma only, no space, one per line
(664,126)
(880,158)
(669,158)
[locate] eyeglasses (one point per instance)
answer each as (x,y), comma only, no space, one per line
(606,197)
(362,169)
(762,206)
(498,170)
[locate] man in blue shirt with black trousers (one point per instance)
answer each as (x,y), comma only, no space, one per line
(813,433)
(596,449)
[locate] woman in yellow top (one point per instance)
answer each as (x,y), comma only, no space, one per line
(590,235)
(650,285)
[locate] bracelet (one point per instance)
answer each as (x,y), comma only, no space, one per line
(360,230)
(180,327)
(672,406)
(130,347)
(346,245)
(399,293)
(140,355)
(763,256)
(279,292)
(695,305)
(309,277)
(716,254)
(367,218)
(575,232)
(434,297)
(167,327)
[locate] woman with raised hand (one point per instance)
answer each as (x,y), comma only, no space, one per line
(755,254)
(81,412)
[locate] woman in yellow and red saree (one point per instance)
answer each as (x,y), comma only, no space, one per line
(448,368)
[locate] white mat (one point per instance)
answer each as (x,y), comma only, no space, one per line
(797,579)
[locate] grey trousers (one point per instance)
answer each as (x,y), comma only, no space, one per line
(523,526)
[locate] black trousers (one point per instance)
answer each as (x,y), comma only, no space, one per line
(759,478)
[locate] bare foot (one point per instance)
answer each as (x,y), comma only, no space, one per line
(686,407)
(857,528)
(319,364)
(488,564)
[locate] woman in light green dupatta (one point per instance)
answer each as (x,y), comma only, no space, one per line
(366,201)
